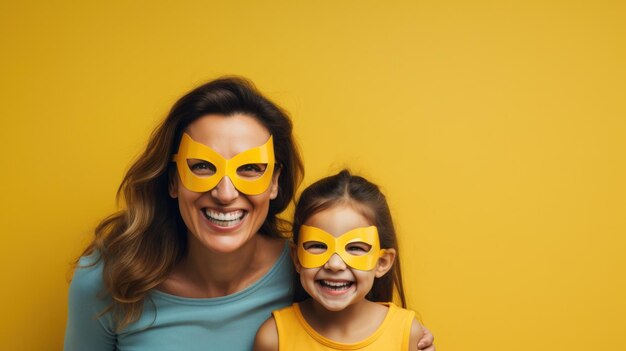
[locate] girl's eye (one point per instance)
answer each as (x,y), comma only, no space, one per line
(252,170)
(201,167)
(358,248)
(315,247)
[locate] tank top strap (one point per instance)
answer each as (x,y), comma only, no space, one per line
(397,328)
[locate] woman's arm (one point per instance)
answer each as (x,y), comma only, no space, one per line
(267,337)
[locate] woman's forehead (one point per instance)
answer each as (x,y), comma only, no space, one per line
(228,135)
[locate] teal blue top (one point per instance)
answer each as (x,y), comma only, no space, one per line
(171,322)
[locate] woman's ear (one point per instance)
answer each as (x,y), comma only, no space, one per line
(274,184)
(294,257)
(172,186)
(385,262)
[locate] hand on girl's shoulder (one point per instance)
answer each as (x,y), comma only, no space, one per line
(417,331)
(267,337)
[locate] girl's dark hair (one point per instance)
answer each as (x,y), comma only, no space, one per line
(140,244)
(345,188)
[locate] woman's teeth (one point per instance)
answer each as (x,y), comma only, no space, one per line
(224,219)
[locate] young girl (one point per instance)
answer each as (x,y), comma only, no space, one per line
(345,248)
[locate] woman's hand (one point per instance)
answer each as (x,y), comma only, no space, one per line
(426,341)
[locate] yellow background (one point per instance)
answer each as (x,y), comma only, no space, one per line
(496,128)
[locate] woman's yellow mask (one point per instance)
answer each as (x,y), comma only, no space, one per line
(337,245)
(190,149)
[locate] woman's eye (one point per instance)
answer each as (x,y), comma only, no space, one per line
(358,249)
(200,167)
(315,247)
(252,170)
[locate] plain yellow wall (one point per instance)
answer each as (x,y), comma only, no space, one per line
(496,128)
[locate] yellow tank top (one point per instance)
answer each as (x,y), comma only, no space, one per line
(294,333)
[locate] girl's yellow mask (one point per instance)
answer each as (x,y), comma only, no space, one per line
(191,149)
(337,245)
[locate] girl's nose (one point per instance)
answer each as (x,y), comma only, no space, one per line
(335,263)
(224,192)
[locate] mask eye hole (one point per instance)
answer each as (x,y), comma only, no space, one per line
(201,168)
(315,247)
(358,248)
(251,170)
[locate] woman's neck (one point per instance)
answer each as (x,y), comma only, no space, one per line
(203,273)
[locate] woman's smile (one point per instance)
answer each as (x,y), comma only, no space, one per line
(223,219)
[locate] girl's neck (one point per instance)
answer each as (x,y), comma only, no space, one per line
(354,323)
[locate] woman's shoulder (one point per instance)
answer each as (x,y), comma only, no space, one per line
(87,280)
(281,260)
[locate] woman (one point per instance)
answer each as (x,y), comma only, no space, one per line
(197,259)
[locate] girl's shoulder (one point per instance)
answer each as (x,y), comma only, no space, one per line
(417,331)
(267,336)
(410,323)
(404,321)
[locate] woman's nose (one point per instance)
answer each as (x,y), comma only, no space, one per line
(225,192)
(335,263)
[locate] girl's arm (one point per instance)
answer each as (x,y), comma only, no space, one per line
(417,334)
(267,337)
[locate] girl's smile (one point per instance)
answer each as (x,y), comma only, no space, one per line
(335,285)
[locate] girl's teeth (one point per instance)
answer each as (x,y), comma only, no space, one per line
(335,285)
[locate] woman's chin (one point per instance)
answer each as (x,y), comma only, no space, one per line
(221,243)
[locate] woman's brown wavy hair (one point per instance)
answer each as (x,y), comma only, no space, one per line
(345,188)
(140,244)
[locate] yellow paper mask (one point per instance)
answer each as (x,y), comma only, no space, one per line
(364,262)
(191,149)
